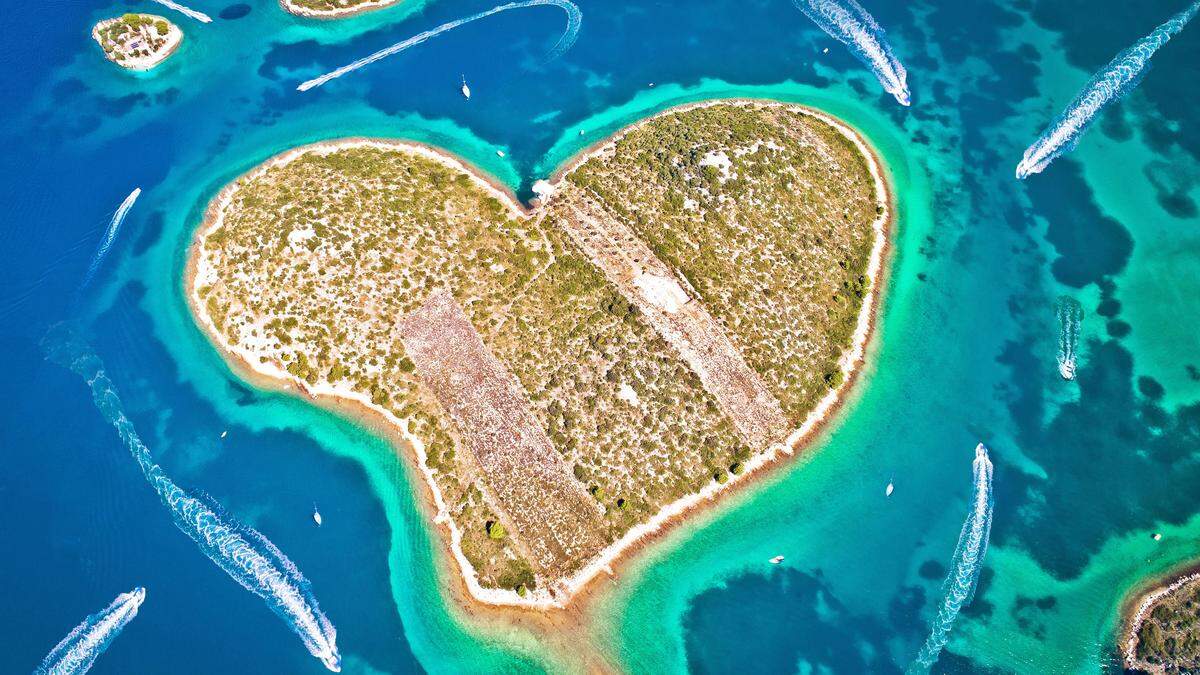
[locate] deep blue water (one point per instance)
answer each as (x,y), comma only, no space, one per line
(1084,472)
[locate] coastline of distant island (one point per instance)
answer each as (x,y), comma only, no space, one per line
(649,299)
(333,9)
(137,41)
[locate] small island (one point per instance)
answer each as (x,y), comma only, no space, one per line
(137,41)
(332,9)
(682,305)
(1163,634)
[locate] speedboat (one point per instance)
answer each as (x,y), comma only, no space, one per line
(776,560)
(316,516)
(466,91)
(1066,368)
(891,487)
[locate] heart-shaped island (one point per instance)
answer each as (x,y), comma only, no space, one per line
(681,305)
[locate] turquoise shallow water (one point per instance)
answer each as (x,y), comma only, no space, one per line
(1085,471)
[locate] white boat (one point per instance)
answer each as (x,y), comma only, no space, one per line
(316,516)
(776,560)
(890,489)
(466,91)
(1066,369)
(224,434)
(499,153)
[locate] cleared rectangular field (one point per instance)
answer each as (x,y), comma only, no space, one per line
(558,522)
(654,289)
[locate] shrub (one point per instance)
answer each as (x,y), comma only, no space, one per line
(833,379)
(1150,640)
(495,530)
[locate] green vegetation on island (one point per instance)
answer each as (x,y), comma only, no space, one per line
(137,41)
(317,258)
(765,211)
(1168,639)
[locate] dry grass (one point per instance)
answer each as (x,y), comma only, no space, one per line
(765,212)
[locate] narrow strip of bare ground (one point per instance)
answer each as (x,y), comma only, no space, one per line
(557,520)
(652,287)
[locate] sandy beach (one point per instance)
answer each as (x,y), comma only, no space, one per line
(567,608)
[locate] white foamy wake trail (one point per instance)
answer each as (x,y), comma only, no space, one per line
(110,236)
(574,21)
(967,563)
(1070,317)
(244,553)
(76,653)
(1111,83)
(186,11)
(850,24)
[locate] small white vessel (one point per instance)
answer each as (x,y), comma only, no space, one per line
(224,434)
(825,51)
(582,132)
(316,516)
(499,153)
(1157,536)
(891,487)
(1066,368)
(466,91)
(776,560)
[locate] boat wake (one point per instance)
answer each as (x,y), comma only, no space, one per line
(244,553)
(850,24)
(77,652)
(1110,84)
(966,565)
(186,11)
(574,21)
(1070,316)
(110,235)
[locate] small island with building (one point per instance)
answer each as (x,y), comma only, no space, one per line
(137,41)
(332,9)
(684,304)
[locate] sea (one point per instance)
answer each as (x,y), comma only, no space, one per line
(1086,471)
